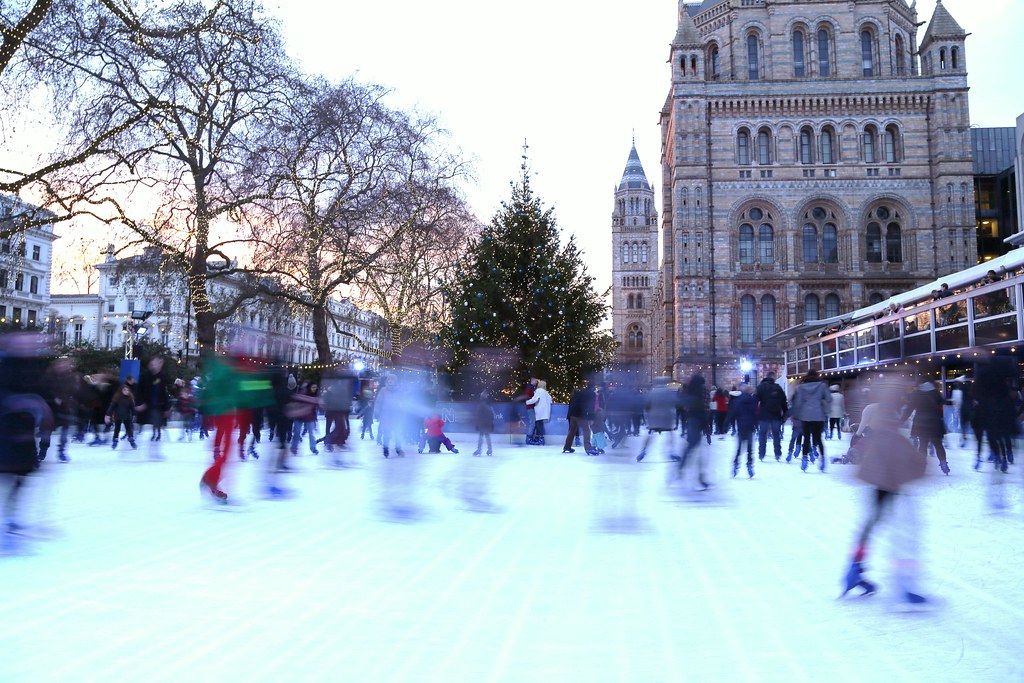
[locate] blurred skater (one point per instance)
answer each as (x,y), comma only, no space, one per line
(695,402)
(771,410)
(743,417)
(122,413)
(540,402)
(811,404)
(661,417)
(483,422)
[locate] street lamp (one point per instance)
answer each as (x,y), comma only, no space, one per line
(746,367)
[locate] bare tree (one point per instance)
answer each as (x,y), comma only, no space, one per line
(200,107)
(359,178)
(74,265)
(406,283)
(43,46)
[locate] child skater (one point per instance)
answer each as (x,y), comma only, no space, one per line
(435,436)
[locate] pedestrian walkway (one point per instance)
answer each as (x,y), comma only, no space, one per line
(528,566)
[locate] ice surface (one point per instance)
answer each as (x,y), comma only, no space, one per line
(527,566)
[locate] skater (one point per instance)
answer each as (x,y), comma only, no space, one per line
(483,422)
(811,404)
(389,408)
(996,416)
(796,437)
(122,412)
(435,436)
(697,421)
(743,417)
(153,402)
(836,412)
(529,416)
(303,414)
(580,415)
(336,402)
(366,413)
(771,410)
(221,385)
(661,415)
(928,426)
(889,463)
(540,402)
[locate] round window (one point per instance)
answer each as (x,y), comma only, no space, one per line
(819,213)
(756,214)
(883,212)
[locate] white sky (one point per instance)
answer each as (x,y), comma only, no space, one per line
(574,80)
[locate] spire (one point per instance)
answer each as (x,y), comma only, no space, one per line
(633,177)
(942,25)
(687,35)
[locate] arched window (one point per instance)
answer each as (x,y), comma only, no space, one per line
(901,57)
(830,244)
(824,53)
(867,52)
(766,243)
(634,338)
(643,253)
(942,58)
(747,319)
(743,148)
(874,243)
(868,145)
(890,144)
(893,243)
(753,57)
(811,308)
(954,57)
(625,253)
(799,70)
(639,301)
(693,65)
(764,147)
(806,146)
(810,243)
(713,62)
(831,305)
(875,298)
(33,285)
(634,252)
(827,146)
(629,301)
(746,243)
(767,316)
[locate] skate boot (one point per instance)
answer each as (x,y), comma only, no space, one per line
(821,462)
(735,469)
(1002,465)
(789,458)
(476,454)
(386,454)
(750,470)
(977,463)
(489,453)
(803,463)
(1009,457)
(63,457)
(814,454)
(855,578)
(132,443)
(113,444)
(944,466)
(640,456)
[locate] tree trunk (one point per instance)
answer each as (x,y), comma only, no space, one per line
(321,334)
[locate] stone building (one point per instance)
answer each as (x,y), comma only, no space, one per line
(26,261)
(816,157)
(634,272)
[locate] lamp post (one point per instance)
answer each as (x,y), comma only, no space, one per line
(746,367)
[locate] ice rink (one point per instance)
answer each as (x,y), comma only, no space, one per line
(527,566)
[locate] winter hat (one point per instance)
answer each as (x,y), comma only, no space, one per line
(834,387)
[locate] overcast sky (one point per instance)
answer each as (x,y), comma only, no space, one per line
(574,79)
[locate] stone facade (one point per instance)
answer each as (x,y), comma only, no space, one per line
(634,272)
(815,158)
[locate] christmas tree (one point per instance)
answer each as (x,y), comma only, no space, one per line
(523,305)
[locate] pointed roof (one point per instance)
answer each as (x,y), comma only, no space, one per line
(687,35)
(942,25)
(633,177)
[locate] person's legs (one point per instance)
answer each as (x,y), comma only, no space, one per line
(762,439)
(571,434)
(585,428)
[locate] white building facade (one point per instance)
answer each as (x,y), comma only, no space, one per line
(26,260)
(264,326)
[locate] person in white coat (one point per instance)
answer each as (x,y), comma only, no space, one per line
(541,403)
(836,411)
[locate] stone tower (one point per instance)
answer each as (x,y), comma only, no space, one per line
(634,271)
(810,166)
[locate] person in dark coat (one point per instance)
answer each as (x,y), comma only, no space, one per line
(695,402)
(743,416)
(122,412)
(483,423)
(154,401)
(580,415)
(771,411)
(928,426)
